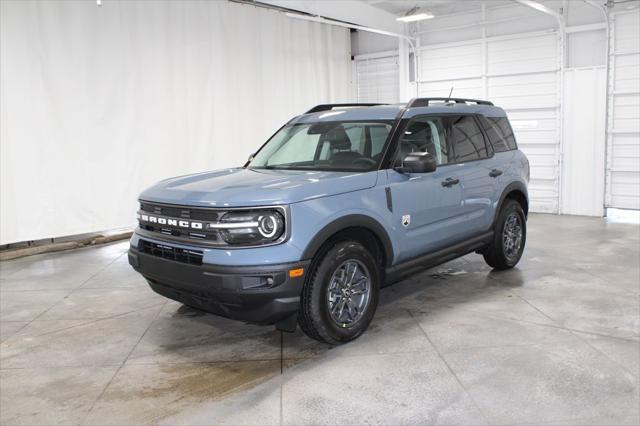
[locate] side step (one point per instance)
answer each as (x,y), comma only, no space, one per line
(417,264)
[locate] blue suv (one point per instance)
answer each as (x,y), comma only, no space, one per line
(337,203)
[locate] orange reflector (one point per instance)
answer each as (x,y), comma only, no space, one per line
(295,273)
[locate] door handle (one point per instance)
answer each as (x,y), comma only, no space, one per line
(450,182)
(495,173)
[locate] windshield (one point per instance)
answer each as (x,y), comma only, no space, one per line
(339,146)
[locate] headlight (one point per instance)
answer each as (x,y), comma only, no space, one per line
(251,227)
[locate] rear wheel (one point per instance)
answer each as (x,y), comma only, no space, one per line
(510,235)
(341,295)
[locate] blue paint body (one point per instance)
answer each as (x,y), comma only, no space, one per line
(440,216)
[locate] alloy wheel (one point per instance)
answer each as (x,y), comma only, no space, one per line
(349,292)
(512,236)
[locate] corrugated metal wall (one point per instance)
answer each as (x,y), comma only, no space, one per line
(377,78)
(519,73)
(518,64)
(524,79)
(623,133)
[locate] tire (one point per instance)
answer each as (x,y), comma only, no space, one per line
(506,249)
(327,290)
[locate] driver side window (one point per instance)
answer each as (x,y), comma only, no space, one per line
(424,134)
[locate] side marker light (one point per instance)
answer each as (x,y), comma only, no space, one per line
(295,273)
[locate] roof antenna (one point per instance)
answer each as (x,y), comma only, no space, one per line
(450,92)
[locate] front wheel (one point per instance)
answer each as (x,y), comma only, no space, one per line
(510,234)
(341,295)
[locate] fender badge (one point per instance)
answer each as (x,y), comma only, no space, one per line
(406,220)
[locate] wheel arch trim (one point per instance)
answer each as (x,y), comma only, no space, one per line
(516,186)
(351,221)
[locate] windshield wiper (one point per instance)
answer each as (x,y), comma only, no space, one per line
(275,167)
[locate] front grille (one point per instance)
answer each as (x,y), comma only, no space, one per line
(191,257)
(191,225)
(185,212)
(211,236)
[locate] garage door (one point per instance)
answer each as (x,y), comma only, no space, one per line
(522,76)
(524,79)
(377,77)
(623,132)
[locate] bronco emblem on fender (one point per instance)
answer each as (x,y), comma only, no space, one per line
(406,220)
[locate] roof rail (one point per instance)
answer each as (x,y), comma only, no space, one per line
(423,102)
(328,107)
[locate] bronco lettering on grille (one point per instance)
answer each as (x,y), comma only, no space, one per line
(169,221)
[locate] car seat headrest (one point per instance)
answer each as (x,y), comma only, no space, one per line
(338,139)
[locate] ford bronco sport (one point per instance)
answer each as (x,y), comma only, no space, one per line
(337,203)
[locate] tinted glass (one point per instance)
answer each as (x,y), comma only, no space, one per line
(300,147)
(499,132)
(343,146)
(424,134)
(379,136)
(467,140)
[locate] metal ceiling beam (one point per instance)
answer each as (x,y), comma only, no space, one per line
(601,6)
(540,8)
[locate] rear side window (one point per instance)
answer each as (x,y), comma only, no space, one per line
(467,139)
(499,132)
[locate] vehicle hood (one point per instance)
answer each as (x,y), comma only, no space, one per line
(249,187)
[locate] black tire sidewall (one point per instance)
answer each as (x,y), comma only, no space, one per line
(339,253)
(510,206)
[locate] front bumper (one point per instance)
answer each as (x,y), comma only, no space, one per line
(258,294)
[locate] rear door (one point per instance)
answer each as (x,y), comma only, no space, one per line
(472,157)
(503,143)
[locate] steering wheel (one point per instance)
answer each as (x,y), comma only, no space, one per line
(364,161)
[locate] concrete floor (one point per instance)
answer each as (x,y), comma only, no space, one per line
(555,341)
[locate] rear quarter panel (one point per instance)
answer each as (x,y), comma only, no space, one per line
(515,166)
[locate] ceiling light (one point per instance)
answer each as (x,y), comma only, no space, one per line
(414,15)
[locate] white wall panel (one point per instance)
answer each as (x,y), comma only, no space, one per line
(457,66)
(525,91)
(100,102)
(449,28)
(377,77)
(586,48)
(523,55)
(623,133)
(517,19)
(523,79)
(513,55)
(363,42)
(467,88)
(522,76)
(583,142)
(451,62)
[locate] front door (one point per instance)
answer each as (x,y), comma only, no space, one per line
(427,207)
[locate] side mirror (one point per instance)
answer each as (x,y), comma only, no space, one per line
(418,162)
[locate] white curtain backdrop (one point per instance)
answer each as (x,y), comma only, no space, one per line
(97,103)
